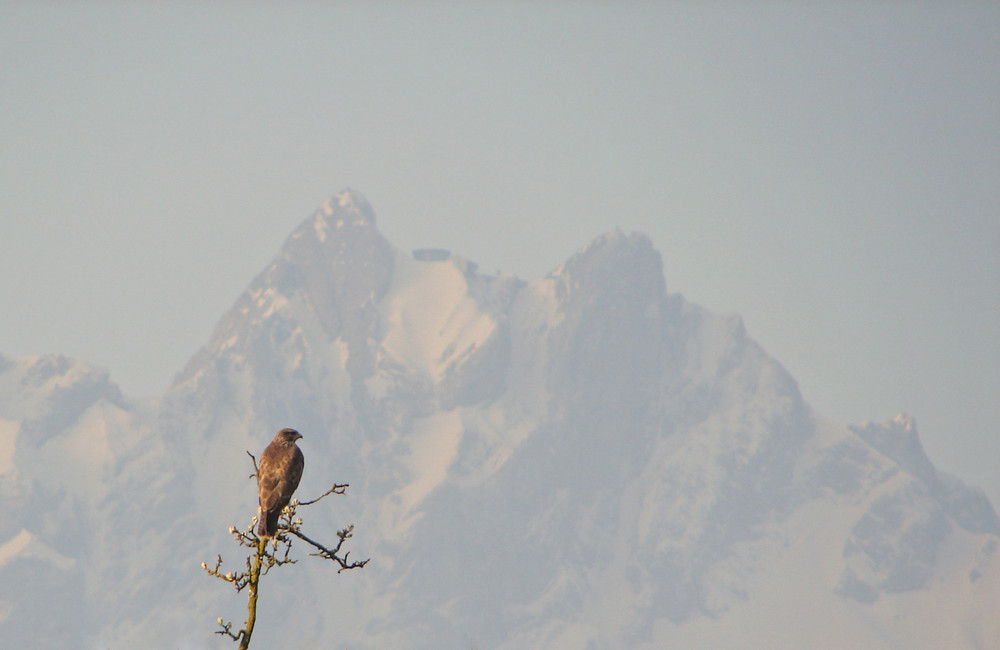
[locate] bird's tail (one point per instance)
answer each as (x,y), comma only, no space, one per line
(268,523)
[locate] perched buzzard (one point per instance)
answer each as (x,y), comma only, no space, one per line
(277,477)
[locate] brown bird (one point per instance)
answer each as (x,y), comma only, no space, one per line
(278,475)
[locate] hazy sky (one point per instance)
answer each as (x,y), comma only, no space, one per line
(830,171)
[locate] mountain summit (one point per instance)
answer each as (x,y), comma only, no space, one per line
(583,460)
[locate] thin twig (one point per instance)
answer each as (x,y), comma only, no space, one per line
(331,553)
(338,488)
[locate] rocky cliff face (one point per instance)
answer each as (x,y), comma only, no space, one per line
(585,460)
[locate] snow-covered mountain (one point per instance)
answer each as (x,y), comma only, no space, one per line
(582,461)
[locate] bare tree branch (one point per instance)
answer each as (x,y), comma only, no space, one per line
(253,459)
(273,552)
(338,488)
(331,554)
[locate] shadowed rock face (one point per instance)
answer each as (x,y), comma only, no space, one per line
(581,459)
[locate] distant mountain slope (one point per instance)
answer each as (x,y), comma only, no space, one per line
(584,460)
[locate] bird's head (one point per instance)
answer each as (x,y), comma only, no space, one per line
(288,436)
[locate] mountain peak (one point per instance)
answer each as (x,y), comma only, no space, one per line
(346,208)
(348,201)
(613,264)
(906,421)
(612,245)
(899,440)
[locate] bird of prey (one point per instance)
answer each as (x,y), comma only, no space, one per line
(278,475)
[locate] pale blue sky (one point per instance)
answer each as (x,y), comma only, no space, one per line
(831,171)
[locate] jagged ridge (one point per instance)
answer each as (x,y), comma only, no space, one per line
(584,458)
